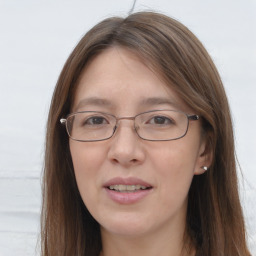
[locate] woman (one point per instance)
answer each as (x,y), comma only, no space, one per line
(139,150)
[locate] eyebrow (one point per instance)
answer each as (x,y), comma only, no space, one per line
(159,101)
(94,101)
(152,101)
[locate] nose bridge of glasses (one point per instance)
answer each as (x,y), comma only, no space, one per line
(125,118)
(129,118)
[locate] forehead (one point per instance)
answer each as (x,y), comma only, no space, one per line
(120,79)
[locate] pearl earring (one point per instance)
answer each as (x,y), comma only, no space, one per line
(205,168)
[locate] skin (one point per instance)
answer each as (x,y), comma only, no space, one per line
(154,225)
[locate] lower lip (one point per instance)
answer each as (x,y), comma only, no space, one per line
(127,197)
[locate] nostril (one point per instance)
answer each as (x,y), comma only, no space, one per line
(115,161)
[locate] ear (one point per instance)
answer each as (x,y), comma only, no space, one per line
(205,156)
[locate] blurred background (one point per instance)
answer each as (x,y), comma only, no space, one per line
(36,38)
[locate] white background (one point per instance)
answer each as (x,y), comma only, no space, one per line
(36,37)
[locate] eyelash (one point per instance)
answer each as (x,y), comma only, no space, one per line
(162,117)
(92,118)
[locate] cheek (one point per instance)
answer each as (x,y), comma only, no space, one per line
(174,158)
(86,157)
(87,162)
(174,164)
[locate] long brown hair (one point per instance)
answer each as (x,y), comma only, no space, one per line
(215,222)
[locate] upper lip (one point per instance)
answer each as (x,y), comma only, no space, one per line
(126,181)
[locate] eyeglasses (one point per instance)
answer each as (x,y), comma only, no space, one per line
(156,125)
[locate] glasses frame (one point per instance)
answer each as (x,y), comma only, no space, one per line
(63,121)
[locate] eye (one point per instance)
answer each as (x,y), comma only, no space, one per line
(160,120)
(95,120)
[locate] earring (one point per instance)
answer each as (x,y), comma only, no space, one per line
(205,168)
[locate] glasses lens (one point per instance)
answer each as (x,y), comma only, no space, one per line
(90,126)
(161,125)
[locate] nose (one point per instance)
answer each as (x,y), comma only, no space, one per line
(126,147)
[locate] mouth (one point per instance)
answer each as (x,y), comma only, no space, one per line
(127,190)
(122,188)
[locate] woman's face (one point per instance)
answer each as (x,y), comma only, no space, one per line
(118,82)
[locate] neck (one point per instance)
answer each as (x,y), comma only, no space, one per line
(150,245)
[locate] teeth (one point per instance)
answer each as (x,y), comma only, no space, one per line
(126,188)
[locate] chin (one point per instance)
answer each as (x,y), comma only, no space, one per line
(126,226)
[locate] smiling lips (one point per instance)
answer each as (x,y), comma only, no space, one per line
(127,190)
